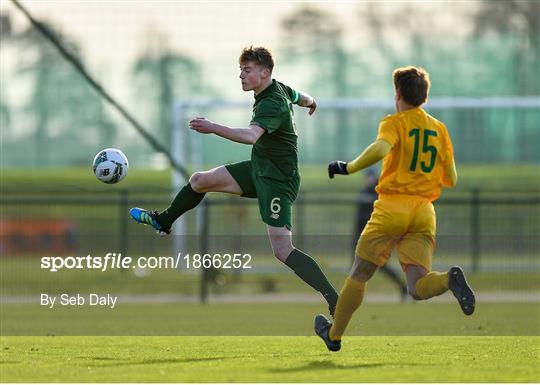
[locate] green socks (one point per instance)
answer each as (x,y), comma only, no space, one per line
(310,272)
(185,200)
(302,264)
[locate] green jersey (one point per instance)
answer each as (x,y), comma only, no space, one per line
(274,155)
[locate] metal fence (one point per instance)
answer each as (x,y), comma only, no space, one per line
(486,230)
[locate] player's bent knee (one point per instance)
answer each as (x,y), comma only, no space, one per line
(362,276)
(362,270)
(197,181)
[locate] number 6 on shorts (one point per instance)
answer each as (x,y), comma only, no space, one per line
(275,208)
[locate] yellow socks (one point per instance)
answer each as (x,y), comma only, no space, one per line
(431,285)
(352,294)
(350,298)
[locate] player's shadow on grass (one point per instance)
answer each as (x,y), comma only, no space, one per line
(123,362)
(325,365)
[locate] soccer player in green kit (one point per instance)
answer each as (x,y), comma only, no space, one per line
(271,175)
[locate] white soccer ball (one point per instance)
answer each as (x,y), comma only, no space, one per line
(110,165)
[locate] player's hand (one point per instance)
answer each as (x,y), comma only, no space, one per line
(312,107)
(337,167)
(202,125)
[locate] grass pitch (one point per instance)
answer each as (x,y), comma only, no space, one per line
(500,343)
(267,319)
(398,343)
(269,359)
(500,177)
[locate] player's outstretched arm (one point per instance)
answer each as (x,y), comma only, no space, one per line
(372,154)
(240,135)
(307,101)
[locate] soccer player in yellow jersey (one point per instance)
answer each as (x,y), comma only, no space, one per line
(418,160)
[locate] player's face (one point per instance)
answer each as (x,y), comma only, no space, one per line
(252,76)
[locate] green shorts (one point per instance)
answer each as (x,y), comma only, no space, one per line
(276,194)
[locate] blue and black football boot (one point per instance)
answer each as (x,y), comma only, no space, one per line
(147,217)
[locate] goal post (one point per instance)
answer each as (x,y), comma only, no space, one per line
(487,114)
(484,130)
(477,126)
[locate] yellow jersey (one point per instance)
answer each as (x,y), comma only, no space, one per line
(421,150)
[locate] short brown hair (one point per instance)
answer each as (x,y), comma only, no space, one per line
(413,84)
(259,55)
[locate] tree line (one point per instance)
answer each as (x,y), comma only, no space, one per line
(498,55)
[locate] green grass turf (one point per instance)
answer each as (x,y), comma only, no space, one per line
(269,359)
(263,319)
(502,177)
